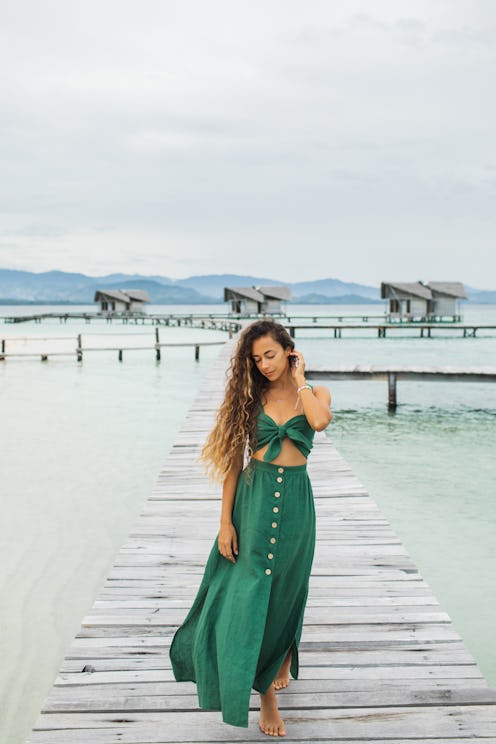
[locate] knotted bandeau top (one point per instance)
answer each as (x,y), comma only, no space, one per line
(296,428)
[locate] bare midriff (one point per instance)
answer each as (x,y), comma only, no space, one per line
(289,454)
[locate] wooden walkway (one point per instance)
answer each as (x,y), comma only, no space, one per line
(213,321)
(380,659)
(78,350)
(425,330)
(394,372)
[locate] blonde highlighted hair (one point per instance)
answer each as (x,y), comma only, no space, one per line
(235,426)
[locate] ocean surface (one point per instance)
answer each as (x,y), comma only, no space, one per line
(81,445)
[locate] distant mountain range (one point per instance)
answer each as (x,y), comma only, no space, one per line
(60,287)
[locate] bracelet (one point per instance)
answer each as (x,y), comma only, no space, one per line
(302,387)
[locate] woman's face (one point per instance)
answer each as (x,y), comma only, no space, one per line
(270,358)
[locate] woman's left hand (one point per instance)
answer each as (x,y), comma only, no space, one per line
(298,370)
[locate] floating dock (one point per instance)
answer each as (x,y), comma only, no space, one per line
(380,659)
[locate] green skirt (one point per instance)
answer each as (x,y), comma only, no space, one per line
(246,616)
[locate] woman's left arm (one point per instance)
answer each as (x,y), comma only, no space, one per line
(316,406)
(316,403)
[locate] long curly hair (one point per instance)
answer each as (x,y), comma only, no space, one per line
(235,427)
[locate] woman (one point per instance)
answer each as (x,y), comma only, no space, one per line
(244,627)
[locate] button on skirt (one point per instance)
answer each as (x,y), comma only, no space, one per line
(246,616)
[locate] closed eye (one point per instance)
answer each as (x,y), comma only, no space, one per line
(257,360)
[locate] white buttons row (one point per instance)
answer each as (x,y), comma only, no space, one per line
(277,494)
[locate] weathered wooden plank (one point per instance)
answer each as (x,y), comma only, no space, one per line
(164,696)
(252,737)
(420,672)
(115,656)
(357,580)
(363,633)
(183,599)
(313,615)
(305,725)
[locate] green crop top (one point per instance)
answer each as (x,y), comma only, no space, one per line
(296,428)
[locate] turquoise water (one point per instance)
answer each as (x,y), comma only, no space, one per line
(431,470)
(81,446)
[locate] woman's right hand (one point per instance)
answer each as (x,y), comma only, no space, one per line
(228,542)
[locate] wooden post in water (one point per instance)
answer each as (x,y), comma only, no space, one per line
(391,392)
(79,349)
(197,352)
(291,331)
(157,344)
(3,350)
(120,355)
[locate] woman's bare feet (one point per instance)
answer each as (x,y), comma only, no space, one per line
(282,678)
(270,722)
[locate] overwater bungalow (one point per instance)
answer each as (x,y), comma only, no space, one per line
(121,301)
(257,300)
(445,302)
(433,301)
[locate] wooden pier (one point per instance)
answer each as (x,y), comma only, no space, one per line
(120,348)
(380,659)
(424,330)
(392,373)
(380,324)
(214,321)
(367,317)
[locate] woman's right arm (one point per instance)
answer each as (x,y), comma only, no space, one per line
(228,539)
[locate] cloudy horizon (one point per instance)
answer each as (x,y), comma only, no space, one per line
(353,141)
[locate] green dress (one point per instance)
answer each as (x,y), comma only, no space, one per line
(247,615)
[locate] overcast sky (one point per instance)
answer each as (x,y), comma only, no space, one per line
(351,139)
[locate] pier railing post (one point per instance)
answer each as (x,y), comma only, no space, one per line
(157,344)
(392,392)
(79,348)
